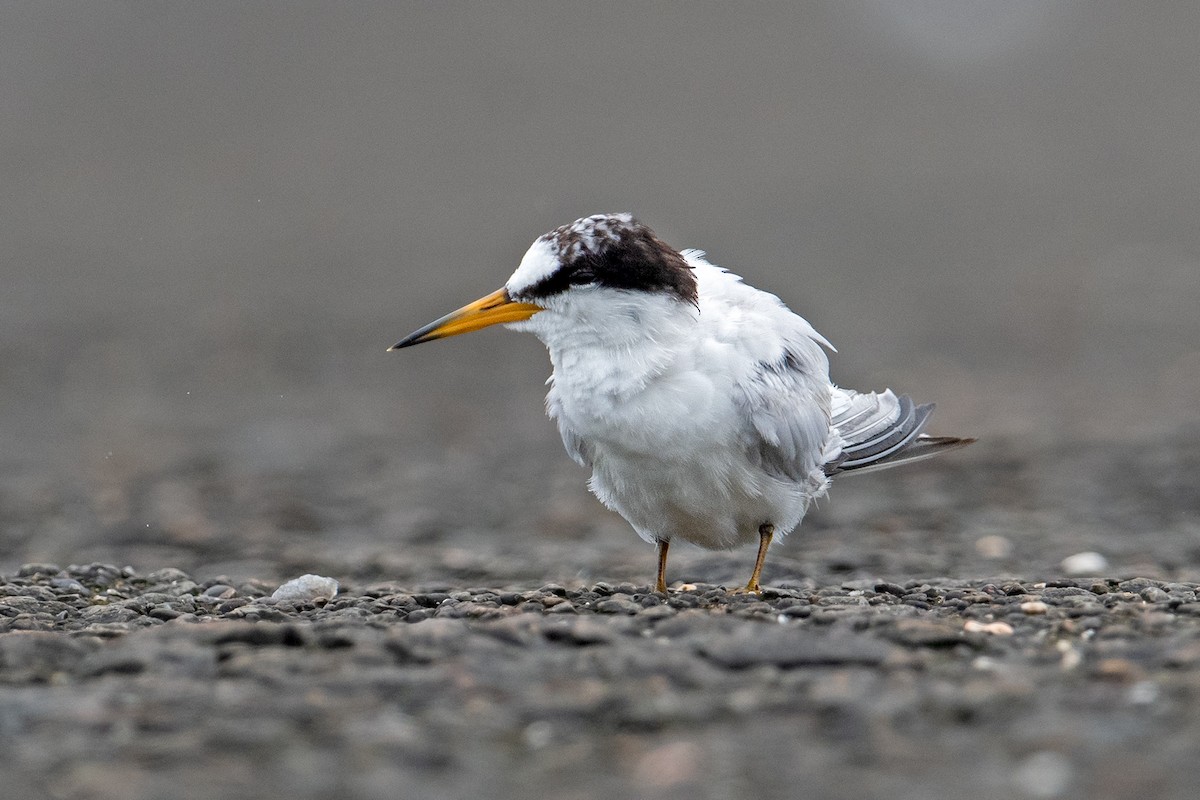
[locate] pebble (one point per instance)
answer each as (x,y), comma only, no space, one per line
(615,605)
(1033,607)
(1153,594)
(993,546)
(990,628)
(307,589)
(1084,564)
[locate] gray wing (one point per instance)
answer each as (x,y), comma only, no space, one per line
(786,403)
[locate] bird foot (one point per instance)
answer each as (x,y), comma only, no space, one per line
(750,588)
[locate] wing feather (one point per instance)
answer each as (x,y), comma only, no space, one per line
(786,404)
(876,428)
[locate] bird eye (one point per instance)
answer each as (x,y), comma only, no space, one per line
(583,276)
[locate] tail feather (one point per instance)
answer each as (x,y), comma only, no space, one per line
(881,430)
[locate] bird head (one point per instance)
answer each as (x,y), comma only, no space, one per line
(606,277)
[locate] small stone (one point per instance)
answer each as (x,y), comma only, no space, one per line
(1136,585)
(1153,594)
(615,605)
(565,607)
(68,586)
(163,612)
(186,587)
(1084,564)
(990,628)
(1034,607)
(108,614)
(993,546)
(307,589)
(167,575)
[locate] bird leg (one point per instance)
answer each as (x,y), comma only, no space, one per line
(663,546)
(766,532)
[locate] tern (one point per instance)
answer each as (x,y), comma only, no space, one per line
(703,406)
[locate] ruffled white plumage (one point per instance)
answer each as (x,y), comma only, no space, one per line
(700,423)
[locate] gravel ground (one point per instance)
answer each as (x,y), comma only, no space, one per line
(117,684)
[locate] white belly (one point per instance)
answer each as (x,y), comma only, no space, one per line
(708,494)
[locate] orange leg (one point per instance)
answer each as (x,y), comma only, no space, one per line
(766,532)
(663,546)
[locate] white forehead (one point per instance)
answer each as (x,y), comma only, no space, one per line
(539,262)
(550,251)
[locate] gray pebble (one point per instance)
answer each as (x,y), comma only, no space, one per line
(1153,594)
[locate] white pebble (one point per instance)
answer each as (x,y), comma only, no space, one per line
(1085,563)
(1034,607)
(992,628)
(993,546)
(306,589)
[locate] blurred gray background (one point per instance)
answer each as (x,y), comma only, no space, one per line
(215,217)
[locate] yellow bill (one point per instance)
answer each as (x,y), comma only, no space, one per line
(494,309)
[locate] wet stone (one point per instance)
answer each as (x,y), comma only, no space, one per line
(167,575)
(1136,585)
(68,586)
(617,605)
(108,614)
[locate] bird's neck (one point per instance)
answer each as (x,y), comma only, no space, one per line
(619,356)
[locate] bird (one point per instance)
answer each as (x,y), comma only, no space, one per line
(702,405)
